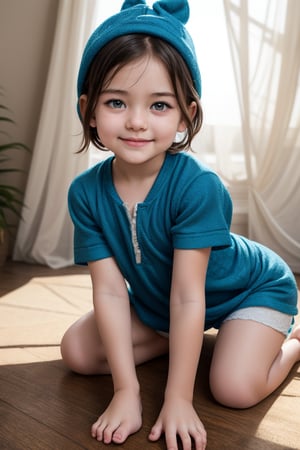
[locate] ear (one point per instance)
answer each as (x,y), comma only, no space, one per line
(192,112)
(82,108)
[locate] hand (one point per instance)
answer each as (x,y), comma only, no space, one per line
(122,417)
(178,418)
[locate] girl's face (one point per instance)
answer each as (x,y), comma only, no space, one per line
(137,114)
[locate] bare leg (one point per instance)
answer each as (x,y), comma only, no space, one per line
(82,349)
(83,352)
(250,361)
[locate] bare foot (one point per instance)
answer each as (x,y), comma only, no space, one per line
(122,417)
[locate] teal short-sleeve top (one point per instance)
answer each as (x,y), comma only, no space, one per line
(187,207)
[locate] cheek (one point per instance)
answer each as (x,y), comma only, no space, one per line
(169,127)
(101,122)
(107,129)
(166,136)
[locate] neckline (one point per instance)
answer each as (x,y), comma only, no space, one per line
(156,187)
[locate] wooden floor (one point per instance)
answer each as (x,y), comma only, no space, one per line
(43,406)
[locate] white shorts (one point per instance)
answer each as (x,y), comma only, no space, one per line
(267,316)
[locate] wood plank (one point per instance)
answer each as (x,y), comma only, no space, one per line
(19,431)
(75,401)
(63,402)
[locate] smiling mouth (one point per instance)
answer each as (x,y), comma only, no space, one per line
(135,142)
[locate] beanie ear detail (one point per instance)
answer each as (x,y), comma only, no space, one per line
(177,8)
(130,3)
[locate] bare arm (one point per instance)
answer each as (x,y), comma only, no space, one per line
(187,315)
(112,312)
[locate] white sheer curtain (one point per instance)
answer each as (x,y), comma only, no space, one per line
(45,235)
(265,45)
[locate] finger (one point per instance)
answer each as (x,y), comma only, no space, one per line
(186,441)
(171,440)
(155,432)
(200,439)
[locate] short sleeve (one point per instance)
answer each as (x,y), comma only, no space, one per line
(204,214)
(89,242)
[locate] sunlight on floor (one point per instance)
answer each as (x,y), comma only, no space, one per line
(287,401)
(35,316)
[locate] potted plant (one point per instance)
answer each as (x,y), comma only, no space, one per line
(10,196)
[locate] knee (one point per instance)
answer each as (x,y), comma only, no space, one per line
(233,392)
(72,353)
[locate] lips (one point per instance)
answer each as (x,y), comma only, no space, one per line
(136,142)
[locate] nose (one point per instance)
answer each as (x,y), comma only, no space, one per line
(136,119)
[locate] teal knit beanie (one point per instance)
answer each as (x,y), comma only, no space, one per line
(165,20)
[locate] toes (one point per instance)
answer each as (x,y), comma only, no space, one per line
(125,429)
(120,435)
(116,432)
(97,430)
(107,436)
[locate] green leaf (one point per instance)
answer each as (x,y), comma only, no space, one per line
(10,196)
(14,146)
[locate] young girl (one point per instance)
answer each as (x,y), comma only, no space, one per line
(152,223)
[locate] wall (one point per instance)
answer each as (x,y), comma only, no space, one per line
(26,35)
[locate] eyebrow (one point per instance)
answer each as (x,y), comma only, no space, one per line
(153,94)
